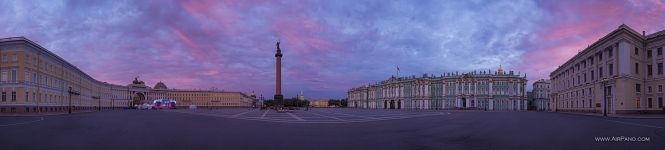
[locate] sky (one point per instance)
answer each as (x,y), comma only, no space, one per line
(329,46)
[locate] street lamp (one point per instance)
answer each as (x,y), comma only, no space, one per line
(604,81)
(70,98)
(99,102)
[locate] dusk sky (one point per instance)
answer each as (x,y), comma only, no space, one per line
(329,46)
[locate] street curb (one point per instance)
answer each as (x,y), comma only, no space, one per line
(613,116)
(42,115)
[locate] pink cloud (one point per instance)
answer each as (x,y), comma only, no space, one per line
(573,25)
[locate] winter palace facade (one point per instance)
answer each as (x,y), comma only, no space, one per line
(481,90)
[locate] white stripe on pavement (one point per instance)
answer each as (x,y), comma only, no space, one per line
(236,115)
(294,116)
(264,114)
(20,123)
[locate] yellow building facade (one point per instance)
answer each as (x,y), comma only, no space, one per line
(33,79)
(621,73)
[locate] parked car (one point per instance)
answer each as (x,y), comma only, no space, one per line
(145,106)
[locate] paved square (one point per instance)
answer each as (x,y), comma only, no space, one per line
(317,115)
(325,129)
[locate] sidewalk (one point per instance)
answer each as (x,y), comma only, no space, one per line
(42,114)
(630,116)
(30,114)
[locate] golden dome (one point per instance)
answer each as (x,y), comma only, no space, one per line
(500,69)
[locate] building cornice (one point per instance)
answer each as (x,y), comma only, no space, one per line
(621,29)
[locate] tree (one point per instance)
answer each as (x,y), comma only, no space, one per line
(269,103)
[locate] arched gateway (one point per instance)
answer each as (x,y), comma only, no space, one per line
(138,92)
(138,98)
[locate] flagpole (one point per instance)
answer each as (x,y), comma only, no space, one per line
(397,71)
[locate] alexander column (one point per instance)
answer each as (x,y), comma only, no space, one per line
(279,98)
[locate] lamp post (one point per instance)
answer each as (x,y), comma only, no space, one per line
(604,81)
(99,102)
(71,92)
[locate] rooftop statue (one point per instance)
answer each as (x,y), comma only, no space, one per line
(137,81)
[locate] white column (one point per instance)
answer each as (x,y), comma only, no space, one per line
(525,105)
(457,102)
(475,88)
(491,90)
(457,88)
(512,105)
(443,89)
(491,107)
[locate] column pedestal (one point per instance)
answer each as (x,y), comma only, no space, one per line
(279,101)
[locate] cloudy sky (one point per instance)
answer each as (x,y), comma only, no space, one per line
(328,45)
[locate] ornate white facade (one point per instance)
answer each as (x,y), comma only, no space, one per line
(474,90)
(541,94)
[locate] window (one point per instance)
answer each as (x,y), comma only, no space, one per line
(13,96)
(600,57)
(584,63)
(27,76)
(14,75)
(660,68)
(592,74)
(609,51)
(4,96)
(649,70)
(600,72)
(659,51)
(585,78)
(637,51)
(578,67)
(649,102)
(637,88)
(27,96)
(660,88)
(649,89)
(649,54)
(637,68)
(660,102)
(3,76)
(611,69)
(14,58)
(578,79)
